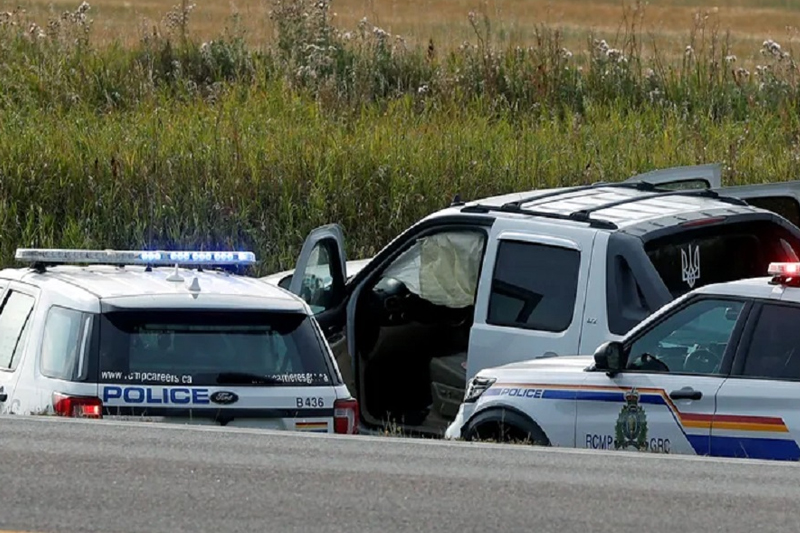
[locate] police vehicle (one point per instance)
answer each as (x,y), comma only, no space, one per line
(716,372)
(168,336)
(513,277)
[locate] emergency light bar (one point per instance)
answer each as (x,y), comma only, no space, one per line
(133,257)
(784,270)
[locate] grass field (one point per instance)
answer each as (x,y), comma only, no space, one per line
(666,22)
(215,134)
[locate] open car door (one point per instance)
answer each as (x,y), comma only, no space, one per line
(319,279)
(688,177)
(781,197)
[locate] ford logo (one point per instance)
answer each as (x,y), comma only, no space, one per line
(224,397)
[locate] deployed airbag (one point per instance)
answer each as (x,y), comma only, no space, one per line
(442,268)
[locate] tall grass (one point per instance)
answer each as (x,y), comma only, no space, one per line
(176,143)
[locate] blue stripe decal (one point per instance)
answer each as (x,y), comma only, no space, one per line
(699,443)
(557,394)
(755,448)
(597,396)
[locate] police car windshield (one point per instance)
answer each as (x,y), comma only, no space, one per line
(206,347)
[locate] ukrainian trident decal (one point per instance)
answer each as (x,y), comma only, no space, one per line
(690,265)
(631,428)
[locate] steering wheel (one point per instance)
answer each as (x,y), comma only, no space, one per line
(701,361)
(648,362)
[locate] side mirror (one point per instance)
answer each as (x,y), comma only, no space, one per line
(609,356)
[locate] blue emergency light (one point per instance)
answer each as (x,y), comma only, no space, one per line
(46,256)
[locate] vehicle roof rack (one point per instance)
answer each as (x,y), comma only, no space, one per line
(579,188)
(584,215)
(511,208)
(687,192)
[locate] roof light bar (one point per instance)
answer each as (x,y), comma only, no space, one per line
(133,257)
(784,270)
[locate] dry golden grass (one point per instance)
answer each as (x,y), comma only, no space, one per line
(445,21)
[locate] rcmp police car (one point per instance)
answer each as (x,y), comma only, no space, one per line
(716,372)
(167,336)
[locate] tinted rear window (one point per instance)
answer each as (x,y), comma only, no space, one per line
(195,348)
(720,253)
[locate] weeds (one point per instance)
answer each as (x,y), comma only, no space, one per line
(178,143)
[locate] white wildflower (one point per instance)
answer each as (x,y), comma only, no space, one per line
(689,51)
(730,59)
(380,33)
(771,48)
(615,54)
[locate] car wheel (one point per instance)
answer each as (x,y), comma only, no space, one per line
(505,426)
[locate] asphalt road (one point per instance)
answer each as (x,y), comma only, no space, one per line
(62,476)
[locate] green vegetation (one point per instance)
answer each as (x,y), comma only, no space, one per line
(175,143)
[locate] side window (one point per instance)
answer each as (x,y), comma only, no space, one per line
(690,341)
(774,351)
(626,304)
(534,286)
(318,287)
(13,328)
(62,343)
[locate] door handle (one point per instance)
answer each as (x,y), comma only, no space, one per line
(686,393)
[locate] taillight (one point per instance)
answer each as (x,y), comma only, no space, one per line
(345,416)
(77,406)
(702,222)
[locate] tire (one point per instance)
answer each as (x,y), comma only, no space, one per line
(504,425)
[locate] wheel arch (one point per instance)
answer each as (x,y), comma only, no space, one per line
(492,420)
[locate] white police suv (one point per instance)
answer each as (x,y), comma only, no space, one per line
(168,336)
(716,372)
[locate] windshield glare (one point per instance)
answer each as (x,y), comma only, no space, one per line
(196,347)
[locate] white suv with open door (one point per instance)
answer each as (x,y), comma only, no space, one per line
(127,334)
(519,276)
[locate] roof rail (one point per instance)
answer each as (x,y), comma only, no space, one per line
(584,215)
(687,192)
(640,185)
(511,208)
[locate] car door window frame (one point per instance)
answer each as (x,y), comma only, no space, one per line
(746,340)
(411,238)
(494,280)
(731,348)
(369,276)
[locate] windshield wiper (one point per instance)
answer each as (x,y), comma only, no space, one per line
(244,378)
